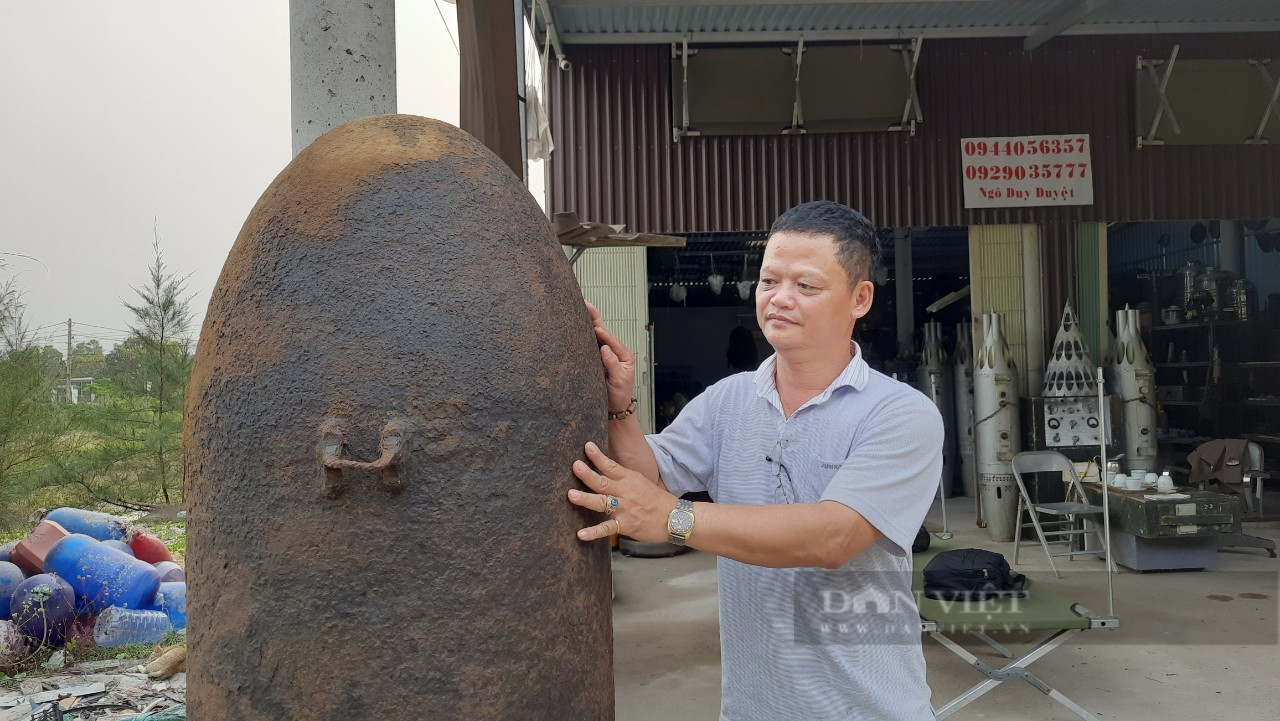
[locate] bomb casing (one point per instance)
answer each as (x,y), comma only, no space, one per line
(1134,377)
(394,376)
(935,379)
(996,429)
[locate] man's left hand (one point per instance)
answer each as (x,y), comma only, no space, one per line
(642,506)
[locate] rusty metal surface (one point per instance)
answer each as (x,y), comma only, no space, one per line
(397,295)
(616,162)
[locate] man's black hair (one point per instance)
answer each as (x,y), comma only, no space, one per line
(857,245)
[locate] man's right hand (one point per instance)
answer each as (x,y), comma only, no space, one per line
(619,364)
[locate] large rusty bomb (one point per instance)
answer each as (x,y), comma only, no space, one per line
(394,377)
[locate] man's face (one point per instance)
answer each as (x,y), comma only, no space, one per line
(803,300)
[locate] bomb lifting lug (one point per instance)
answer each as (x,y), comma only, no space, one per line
(333,445)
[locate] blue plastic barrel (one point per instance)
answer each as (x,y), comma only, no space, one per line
(102,526)
(6,550)
(170,571)
(100,575)
(119,546)
(172,599)
(43,607)
(10,578)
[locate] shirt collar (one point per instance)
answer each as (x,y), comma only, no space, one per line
(855,375)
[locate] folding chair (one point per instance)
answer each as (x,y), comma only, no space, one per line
(1041,610)
(1249,489)
(1250,486)
(1070,512)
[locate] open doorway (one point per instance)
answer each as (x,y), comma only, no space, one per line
(1208,293)
(702,306)
(939,265)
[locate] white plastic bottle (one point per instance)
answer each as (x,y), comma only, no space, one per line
(117,626)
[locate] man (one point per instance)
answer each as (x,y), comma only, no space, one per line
(821,470)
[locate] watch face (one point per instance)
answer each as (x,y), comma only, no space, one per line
(681,523)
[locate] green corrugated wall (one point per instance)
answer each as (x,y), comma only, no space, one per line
(1090,297)
(995,270)
(615,280)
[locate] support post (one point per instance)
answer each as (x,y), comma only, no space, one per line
(1033,301)
(342,64)
(70,399)
(904,291)
(1231,247)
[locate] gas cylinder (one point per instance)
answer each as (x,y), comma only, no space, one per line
(395,374)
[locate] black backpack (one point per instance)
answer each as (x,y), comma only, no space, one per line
(921,544)
(971,574)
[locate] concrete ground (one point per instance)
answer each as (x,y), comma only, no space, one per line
(1192,645)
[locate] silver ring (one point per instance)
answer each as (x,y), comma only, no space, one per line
(611,505)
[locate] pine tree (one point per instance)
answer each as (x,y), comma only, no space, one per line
(162,321)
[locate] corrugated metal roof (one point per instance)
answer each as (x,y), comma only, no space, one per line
(706,18)
(620,21)
(1186,11)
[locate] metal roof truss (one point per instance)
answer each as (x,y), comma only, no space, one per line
(911,113)
(910,59)
(1161,84)
(1273,103)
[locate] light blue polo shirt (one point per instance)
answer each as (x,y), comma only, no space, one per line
(809,643)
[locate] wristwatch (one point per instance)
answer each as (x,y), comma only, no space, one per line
(680,522)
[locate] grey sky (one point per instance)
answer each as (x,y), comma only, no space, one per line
(117,115)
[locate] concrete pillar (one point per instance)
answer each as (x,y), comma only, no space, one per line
(1231,247)
(904,291)
(342,59)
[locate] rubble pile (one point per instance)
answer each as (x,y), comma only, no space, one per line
(112,690)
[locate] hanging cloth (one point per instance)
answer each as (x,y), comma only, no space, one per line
(537,126)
